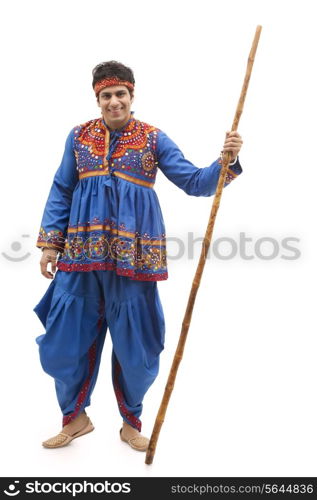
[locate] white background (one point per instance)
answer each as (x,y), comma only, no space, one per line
(244,402)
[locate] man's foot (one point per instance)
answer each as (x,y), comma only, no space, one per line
(78,427)
(132,436)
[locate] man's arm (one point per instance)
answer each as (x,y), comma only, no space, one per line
(55,218)
(193,180)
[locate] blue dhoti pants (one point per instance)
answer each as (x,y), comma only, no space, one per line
(76,310)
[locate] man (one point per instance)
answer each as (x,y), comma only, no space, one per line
(103,229)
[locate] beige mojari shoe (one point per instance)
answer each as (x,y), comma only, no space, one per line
(63,438)
(137,441)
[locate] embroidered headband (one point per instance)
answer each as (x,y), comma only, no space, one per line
(109,82)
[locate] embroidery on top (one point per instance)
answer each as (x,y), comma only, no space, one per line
(134,150)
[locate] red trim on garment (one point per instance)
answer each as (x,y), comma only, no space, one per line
(92,363)
(132,419)
(109,266)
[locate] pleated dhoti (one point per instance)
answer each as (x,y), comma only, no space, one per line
(76,311)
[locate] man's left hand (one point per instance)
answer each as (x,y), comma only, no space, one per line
(233,143)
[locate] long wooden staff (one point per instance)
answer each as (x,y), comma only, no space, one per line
(205,246)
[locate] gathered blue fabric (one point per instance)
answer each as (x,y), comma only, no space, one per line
(76,311)
(102,212)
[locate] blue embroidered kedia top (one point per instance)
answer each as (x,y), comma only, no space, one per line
(102,211)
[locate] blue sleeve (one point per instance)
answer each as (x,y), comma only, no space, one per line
(193,180)
(57,209)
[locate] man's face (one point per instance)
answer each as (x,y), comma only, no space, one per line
(115,103)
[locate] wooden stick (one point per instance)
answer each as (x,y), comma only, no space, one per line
(204,251)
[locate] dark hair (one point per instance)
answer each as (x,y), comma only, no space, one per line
(112,69)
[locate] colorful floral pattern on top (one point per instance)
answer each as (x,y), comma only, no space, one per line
(103,246)
(102,213)
(53,239)
(133,154)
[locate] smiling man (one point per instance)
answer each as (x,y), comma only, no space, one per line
(103,229)
(115,103)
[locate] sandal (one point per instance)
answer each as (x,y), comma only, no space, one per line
(138,442)
(63,439)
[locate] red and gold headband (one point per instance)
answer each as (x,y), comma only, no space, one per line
(109,82)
